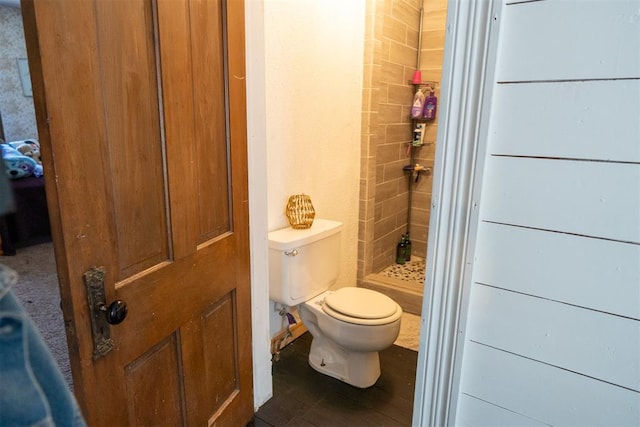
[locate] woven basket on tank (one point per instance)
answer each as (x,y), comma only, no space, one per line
(300,212)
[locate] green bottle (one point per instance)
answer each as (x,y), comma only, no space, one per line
(401,252)
(407,243)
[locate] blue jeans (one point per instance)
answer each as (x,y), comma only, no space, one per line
(33,391)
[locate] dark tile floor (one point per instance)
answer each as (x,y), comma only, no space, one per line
(304,397)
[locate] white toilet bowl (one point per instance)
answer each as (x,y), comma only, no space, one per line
(349,327)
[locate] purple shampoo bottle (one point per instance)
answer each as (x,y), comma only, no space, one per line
(430,107)
(418,104)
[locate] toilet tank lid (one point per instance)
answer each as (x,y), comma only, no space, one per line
(289,238)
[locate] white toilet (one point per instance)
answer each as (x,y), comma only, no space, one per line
(350,325)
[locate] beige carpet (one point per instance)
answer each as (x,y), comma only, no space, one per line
(409,332)
(37,289)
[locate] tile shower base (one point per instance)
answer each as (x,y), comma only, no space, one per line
(412,271)
(403,283)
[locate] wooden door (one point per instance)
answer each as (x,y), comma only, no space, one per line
(141,114)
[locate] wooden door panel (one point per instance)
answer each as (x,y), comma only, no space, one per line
(126,42)
(218,379)
(221,373)
(210,119)
(153,396)
(156,192)
(222,376)
(176,57)
(184,287)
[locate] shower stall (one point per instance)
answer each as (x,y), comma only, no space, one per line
(393,199)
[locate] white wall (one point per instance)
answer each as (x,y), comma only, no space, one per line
(18,114)
(313,91)
(304,92)
(257,147)
(553,331)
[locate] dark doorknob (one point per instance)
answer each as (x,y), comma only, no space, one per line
(115,312)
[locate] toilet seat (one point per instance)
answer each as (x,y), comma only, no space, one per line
(361,306)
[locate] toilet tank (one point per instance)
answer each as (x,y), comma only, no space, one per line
(303,263)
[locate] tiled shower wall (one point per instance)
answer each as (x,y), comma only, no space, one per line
(391,43)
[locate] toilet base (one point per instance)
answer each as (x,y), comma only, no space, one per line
(358,369)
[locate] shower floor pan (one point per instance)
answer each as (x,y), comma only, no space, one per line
(404,283)
(412,271)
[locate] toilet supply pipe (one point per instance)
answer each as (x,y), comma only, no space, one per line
(290,321)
